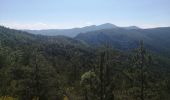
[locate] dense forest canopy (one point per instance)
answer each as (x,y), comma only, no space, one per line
(37,67)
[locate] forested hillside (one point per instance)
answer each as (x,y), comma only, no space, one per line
(35,67)
(156,39)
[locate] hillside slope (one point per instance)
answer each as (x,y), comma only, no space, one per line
(156,39)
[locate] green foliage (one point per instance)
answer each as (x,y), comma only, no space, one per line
(53,68)
(89,82)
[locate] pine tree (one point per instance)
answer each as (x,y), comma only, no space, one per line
(89,82)
(141,62)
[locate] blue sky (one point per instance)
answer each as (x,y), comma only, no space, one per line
(46,14)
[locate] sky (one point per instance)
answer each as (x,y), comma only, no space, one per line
(63,14)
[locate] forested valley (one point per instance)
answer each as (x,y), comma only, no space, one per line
(37,67)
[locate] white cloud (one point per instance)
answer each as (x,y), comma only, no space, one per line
(89,23)
(153,25)
(38,25)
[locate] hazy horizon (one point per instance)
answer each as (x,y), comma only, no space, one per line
(80,27)
(55,14)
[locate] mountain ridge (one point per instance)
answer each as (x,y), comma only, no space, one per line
(75,31)
(156,39)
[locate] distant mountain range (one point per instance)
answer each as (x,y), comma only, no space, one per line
(123,38)
(75,31)
(155,39)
